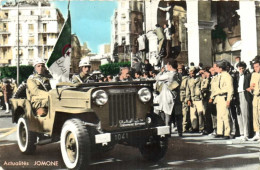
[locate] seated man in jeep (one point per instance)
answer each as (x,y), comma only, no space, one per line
(38,85)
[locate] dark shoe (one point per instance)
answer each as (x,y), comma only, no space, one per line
(180,134)
(218,136)
(203,132)
(226,137)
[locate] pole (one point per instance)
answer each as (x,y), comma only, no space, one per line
(18,46)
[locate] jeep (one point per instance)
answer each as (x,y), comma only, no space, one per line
(90,118)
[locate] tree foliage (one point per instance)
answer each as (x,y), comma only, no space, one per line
(113,68)
(10,72)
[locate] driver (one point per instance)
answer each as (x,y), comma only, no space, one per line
(84,75)
(38,85)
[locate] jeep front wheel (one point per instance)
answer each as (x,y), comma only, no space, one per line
(155,148)
(26,139)
(75,144)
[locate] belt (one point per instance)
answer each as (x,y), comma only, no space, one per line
(222,94)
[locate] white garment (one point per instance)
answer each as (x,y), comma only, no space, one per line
(167,33)
(141,42)
(241,83)
(166,101)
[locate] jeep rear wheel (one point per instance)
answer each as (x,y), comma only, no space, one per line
(155,148)
(75,144)
(26,139)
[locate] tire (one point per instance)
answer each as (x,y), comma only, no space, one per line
(155,149)
(75,144)
(26,139)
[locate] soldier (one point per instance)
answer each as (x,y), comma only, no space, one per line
(84,75)
(38,85)
(212,104)
(194,97)
(224,95)
(7,90)
(255,88)
(183,99)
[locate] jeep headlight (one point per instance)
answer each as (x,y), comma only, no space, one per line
(144,94)
(100,97)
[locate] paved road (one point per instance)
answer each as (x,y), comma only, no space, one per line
(193,151)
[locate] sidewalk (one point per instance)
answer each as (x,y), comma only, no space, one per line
(3,114)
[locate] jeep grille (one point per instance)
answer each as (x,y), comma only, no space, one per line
(122,106)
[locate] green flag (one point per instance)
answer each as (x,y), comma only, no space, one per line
(59,62)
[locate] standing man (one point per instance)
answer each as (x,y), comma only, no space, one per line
(255,89)
(38,86)
(224,95)
(160,36)
(168,36)
(84,75)
(183,99)
(194,97)
(141,46)
(244,99)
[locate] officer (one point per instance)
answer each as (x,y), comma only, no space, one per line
(194,97)
(183,99)
(38,85)
(255,89)
(84,75)
(224,95)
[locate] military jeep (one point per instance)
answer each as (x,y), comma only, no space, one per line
(90,118)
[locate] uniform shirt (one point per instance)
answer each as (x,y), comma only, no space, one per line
(38,85)
(225,85)
(255,79)
(183,88)
(159,32)
(81,78)
(194,89)
(213,86)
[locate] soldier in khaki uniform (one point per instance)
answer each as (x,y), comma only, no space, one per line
(255,88)
(83,76)
(194,97)
(224,94)
(38,86)
(212,104)
(183,99)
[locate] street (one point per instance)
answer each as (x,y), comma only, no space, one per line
(192,151)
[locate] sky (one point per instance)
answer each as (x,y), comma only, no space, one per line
(91,20)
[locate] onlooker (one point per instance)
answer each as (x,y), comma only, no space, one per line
(7,91)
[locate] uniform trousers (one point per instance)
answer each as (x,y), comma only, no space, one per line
(223,116)
(243,115)
(197,106)
(256,113)
(185,116)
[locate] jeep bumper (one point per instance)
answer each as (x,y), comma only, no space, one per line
(131,136)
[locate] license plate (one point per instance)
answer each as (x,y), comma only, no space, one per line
(121,136)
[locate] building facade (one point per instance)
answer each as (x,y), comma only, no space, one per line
(127,24)
(35,25)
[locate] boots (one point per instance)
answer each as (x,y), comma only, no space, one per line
(41,112)
(7,108)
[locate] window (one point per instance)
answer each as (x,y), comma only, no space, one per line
(44,27)
(31,40)
(32,12)
(5,39)
(47,13)
(31,27)
(31,53)
(6,15)
(4,53)
(5,26)
(44,38)
(20,13)
(122,27)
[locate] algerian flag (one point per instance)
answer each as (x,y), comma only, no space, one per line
(59,62)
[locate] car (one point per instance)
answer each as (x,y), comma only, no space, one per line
(92,118)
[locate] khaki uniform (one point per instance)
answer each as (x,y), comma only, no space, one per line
(213,87)
(194,94)
(159,32)
(255,79)
(37,90)
(224,92)
(81,78)
(184,100)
